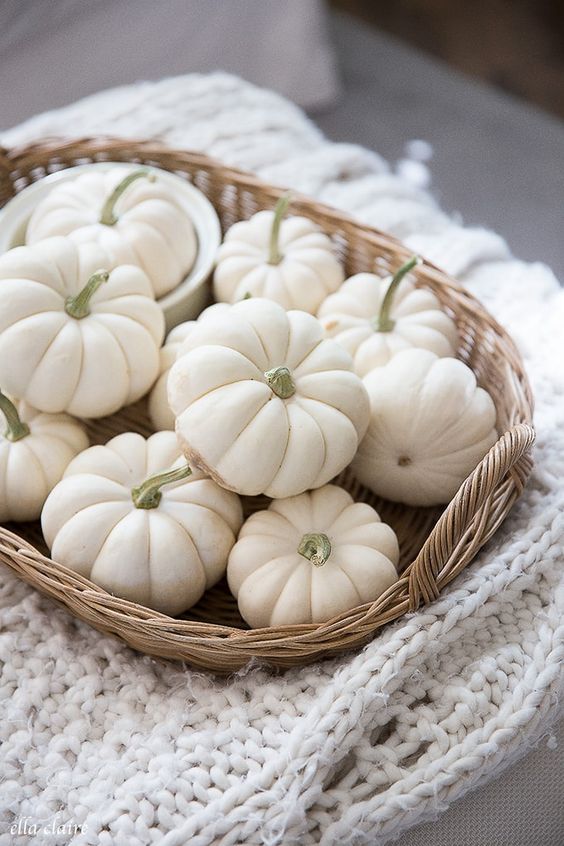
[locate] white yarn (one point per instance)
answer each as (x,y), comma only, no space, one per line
(354,750)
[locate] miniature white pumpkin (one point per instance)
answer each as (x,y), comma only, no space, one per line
(35,450)
(289,261)
(430,426)
(264,403)
(311,557)
(132,517)
(374,318)
(158,407)
(149,229)
(73,337)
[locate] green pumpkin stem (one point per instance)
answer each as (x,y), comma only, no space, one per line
(148,493)
(274,254)
(281,382)
(79,305)
(108,215)
(384,323)
(17,429)
(316,548)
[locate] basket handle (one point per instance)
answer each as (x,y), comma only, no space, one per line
(508,457)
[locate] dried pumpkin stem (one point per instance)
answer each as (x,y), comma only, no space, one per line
(274,254)
(79,306)
(281,382)
(17,429)
(108,215)
(383,322)
(148,494)
(316,548)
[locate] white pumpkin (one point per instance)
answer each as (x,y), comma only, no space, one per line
(158,407)
(74,338)
(35,450)
(132,517)
(311,557)
(131,213)
(374,318)
(430,426)
(289,261)
(264,403)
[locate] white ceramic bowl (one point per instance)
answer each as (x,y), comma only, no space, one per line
(192,295)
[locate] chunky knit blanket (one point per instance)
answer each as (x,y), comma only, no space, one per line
(117,748)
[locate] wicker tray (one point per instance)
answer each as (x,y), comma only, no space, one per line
(436,544)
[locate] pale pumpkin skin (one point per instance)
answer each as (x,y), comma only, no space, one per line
(430,426)
(275,585)
(151,229)
(158,407)
(33,461)
(163,557)
(297,272)
(350,317)
(264,403)
(89,366)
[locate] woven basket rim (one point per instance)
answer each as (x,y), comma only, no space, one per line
(498,479)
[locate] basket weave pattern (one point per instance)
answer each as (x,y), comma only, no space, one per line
(436,544)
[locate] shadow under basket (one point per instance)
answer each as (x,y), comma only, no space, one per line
(436,544)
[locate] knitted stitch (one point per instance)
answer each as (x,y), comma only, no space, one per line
(354,750)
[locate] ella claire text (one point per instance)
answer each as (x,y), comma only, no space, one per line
(25,825)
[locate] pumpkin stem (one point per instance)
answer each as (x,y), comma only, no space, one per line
(108,216)
(316,548)
(79,306)
(17,429)
(384,323)
(281,382)
(274,254)
(148,493)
